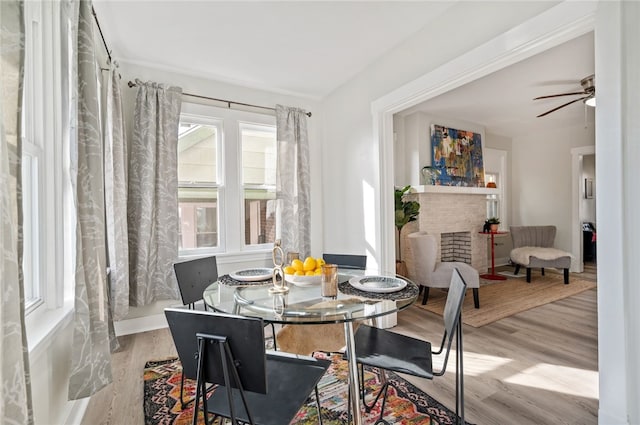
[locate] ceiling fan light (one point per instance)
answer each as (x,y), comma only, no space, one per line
(591,102)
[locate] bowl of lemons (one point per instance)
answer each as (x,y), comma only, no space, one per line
(304,273)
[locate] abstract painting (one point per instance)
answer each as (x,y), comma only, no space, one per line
(457,157)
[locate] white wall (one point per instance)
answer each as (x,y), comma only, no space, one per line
(350,159)
(541,179)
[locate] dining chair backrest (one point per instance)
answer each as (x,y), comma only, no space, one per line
(347,261)
(244,336)
(453,305)
(194,276)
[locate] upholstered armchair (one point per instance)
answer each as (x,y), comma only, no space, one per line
(533,247)
(428,272)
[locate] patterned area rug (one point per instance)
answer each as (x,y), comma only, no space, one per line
(409,405)
(504,298)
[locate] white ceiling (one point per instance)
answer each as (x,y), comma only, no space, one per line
(305,48)
(309,48)
(503,102)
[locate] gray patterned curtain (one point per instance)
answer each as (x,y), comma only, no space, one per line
(293,210)
(15,385)
(116,197)
(153,194)
(91,357)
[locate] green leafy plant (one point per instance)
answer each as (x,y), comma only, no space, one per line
(406,212)
(493,220)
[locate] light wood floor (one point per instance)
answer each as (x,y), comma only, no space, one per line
(536,367)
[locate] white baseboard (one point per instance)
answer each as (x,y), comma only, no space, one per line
(140,324)
(605,418)
(76,413)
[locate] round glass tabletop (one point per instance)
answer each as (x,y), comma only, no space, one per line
(304,304)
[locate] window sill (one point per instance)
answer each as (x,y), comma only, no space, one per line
(43,323)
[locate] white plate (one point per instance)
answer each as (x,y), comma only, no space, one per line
(377,283)
(252,275)
(303,280)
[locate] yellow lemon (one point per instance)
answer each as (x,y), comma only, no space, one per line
(299,273)
(289,270)
(309,264)
(318,272)
(320,262)
(309,273)
(297,265)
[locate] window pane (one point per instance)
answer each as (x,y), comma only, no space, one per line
(258,155)
(197,153)
(259,216)
(31,260)
(198,212)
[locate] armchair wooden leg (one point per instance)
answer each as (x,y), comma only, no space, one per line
(476,298)
(517,270)
(528,274)
(566,276)
(425,297)
(542,271)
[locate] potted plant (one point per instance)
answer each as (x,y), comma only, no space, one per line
(406,212)
(494,223)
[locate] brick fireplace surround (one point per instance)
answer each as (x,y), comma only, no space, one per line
(451,213)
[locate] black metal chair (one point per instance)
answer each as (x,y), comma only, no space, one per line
(388,350)
(252,386)
(193,277)
(346,261)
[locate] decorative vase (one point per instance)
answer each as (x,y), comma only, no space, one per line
(494,227)
(401,268)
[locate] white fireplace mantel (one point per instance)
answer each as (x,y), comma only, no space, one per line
(455,189)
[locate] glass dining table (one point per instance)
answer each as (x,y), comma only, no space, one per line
(362,296)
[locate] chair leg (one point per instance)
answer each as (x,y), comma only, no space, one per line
(273,332)
(425,297)
(542,271)
(528,274)
(318,405)
(383,392)
(566,276)
(476,297)
(459,374)
(517,270)
(182,402)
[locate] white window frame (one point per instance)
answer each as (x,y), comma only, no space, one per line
(495,162)
(231,193)
(44,140)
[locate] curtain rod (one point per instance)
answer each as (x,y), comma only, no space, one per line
(95,16)
(228,102)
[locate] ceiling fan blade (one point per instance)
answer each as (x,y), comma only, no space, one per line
(558,95)
(562,106)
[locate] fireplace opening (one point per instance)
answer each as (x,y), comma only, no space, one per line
(455,246)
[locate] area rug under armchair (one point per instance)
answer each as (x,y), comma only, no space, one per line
(508,297)
(409,405)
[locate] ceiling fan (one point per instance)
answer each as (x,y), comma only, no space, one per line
(588,95)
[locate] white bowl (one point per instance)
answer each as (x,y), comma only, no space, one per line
(303,280)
